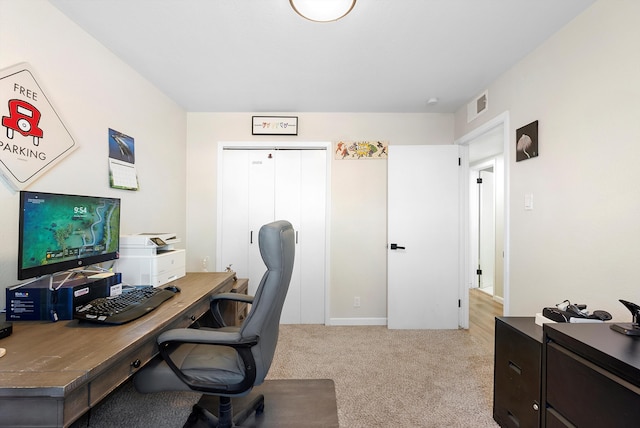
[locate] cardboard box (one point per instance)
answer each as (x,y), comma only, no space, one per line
(35,301)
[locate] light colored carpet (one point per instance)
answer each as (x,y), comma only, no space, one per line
(407,378)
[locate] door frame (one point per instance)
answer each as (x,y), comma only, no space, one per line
(464,141)
(274,145)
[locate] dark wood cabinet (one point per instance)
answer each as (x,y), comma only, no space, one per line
(565,375)
(234,313)
(591,376)
(517,372)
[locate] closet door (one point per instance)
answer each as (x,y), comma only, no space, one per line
(260,186)
(247,202)
(234,201)
(300,197)
(287,207)
(261,208)
(312,236)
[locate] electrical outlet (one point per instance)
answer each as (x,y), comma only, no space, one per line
(356,302)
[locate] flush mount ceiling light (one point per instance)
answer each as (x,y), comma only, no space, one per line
(322,10)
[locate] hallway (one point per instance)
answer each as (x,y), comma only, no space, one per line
(482,312)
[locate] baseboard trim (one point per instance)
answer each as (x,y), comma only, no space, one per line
(357,321)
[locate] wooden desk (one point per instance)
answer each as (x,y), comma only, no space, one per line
(54,372)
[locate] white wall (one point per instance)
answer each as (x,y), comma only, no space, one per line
(580,242)
(358,194)
(92,90)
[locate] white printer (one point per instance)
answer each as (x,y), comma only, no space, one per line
(150,259)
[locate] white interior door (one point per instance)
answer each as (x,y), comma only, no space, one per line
(261,208)
(247,202)
(301,199)
(234,203)
(311,236)
(423,217)
(487,240)
(474,229)
(287,207)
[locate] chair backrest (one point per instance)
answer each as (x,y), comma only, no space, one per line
(277,247)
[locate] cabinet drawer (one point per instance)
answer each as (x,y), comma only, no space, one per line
(241,312)
(234,312)
(517,374)
(119,372)
(555,420)
(575,384)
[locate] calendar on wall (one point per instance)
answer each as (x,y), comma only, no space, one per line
(122,168)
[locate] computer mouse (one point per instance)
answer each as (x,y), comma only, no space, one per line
(173,288)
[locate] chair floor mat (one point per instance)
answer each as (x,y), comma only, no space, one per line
(289,403)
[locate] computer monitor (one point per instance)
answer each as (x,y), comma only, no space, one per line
(59,232)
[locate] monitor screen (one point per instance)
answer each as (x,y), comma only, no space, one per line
(60,232)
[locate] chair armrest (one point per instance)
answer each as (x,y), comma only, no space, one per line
(207,337)
(216,299)
(237,297)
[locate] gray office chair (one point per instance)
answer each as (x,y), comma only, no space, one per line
(228,362)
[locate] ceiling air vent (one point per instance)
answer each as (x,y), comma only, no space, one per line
(478,106)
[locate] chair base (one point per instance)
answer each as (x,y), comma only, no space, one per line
(218,412)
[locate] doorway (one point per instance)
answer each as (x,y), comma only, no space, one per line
(487,152)
(482,216)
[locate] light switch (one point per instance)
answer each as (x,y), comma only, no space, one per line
(528,201)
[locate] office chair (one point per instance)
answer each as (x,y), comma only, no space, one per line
(228,362)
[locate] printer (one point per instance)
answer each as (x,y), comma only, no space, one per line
(150,259)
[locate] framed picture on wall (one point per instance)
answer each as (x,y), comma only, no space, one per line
(527,142)
(274,125)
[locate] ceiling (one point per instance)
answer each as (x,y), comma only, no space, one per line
(259,56)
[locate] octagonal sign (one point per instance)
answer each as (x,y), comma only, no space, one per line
(32,136)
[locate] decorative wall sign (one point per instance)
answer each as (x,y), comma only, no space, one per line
(32,136)
(274,125)
(361,150)
(527,142)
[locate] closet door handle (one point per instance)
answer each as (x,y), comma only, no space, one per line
(396,247)
(251,237)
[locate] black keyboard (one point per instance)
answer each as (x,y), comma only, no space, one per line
(125,307)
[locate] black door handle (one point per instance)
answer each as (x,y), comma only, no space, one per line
(396,247)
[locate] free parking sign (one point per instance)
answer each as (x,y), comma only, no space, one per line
(32,136)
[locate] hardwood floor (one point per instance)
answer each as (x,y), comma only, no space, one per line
(482,312)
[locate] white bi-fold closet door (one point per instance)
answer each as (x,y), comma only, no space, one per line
(262,185)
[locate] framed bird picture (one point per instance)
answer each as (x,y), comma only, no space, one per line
(527,142)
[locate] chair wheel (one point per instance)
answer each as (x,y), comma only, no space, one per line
(260,409)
